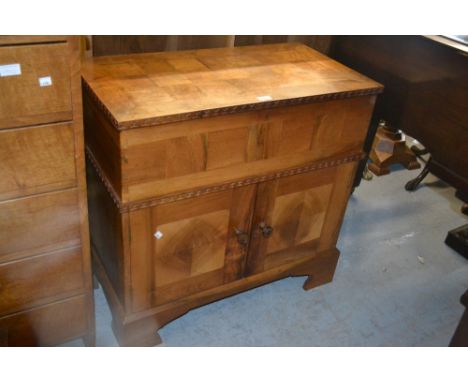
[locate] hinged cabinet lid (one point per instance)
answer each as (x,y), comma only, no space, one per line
(155,88)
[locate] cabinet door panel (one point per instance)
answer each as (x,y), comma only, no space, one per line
(184,247)
(303,212)
(191,247)
(299,209)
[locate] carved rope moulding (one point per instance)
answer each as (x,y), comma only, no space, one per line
(224,110)
(132,206)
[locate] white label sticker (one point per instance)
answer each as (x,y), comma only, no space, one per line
(10,70)
(264,98)
(45,81)
(158,235)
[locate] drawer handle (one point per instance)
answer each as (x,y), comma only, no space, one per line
(267,230)
(242,237)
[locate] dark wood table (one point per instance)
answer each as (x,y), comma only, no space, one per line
(426,95)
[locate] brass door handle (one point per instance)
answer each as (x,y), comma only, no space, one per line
(242,237)
(267,230)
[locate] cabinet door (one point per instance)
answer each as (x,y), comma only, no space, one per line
(184,247)
(298,216)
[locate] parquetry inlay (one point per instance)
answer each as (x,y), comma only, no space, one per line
(191,247)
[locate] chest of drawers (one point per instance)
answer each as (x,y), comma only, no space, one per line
(45,270)
(215,171)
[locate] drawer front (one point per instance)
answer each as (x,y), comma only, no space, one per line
(36,159)
(181,248)
(47,325)
(20,39)
(40,279)
(34,84)
(241,145)
(37,224)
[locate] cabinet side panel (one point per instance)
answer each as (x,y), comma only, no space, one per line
(106,230)
(338,201)
(103,141)
(80,167)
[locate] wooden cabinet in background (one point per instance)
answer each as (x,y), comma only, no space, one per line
(426,96)
(45,273)
(215,171)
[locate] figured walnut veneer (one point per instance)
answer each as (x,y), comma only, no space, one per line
(298,217)
(22,101)
(46,294)
(199,190)
(156,88)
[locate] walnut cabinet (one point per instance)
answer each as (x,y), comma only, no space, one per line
(46,294)
(214,171)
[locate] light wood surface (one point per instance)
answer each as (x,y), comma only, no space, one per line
(138,162)
(190,256)
(34,281)
(46,325)
(154,88)
(43,222)
(45,268)
(23,153)
(22,100)
(24,39)
(189,206)
(240,143)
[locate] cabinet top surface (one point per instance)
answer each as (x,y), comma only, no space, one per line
(155,88)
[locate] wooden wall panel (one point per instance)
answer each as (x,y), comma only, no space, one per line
(114,45)
(319,42)
(110,45)
(202,42)
(243,40)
